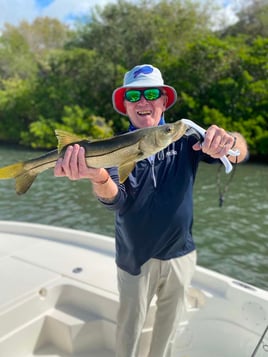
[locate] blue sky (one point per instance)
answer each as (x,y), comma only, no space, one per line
(43,3)
(15,11)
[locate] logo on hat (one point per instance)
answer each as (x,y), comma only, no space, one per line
(144,70)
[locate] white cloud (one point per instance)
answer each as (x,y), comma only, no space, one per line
(15,11)
(226,15)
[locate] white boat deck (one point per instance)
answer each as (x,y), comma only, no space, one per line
(59,298)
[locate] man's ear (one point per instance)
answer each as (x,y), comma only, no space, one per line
(165,102)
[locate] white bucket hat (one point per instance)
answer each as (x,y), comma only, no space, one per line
(143,76)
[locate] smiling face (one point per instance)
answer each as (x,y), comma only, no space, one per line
(145,113)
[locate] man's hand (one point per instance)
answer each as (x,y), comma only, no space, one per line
(217,142)
(73,165)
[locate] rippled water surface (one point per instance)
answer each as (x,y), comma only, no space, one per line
(232,239)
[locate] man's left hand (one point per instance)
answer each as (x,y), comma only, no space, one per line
(217,142)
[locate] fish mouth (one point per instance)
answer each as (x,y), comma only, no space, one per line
(180,130)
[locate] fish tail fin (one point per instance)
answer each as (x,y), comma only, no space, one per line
(17,171)
(11,171)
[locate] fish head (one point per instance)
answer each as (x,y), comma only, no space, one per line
(168,133)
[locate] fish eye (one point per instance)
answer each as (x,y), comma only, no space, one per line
(168,129)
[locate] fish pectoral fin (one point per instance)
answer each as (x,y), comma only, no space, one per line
(124,170)
(24,182)
(65,138)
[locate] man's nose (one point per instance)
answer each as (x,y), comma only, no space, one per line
(143,99)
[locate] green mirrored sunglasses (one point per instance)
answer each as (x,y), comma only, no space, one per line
(134,95)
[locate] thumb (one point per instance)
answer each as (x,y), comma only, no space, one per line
(197,146)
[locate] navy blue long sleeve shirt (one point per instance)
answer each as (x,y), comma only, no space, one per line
(154,207)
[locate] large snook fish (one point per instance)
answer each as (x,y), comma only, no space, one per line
(122,151)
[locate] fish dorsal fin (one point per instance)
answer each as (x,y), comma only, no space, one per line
(124,170)
(65,138)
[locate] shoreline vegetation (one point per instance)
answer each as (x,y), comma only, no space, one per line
(56,77)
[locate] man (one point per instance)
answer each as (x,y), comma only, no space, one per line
(155,251)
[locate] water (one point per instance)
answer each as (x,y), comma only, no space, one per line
(232,239)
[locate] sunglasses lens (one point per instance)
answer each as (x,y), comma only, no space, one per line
(152,93)
(133,95)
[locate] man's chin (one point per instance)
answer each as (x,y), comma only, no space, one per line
(145,120)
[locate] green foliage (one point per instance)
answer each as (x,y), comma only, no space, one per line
(262,143)
(52,77)
(73,77)
(77,120)
(224,81)
(127,33)
(40,134)
(15,108)
(253,20)
(16,60)
(44,34)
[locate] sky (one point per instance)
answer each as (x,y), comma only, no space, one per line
(15,11)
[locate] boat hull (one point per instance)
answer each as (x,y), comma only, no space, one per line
(59,297)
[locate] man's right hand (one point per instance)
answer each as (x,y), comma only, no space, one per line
(73,165)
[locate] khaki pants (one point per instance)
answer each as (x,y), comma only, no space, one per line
(169,280)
